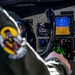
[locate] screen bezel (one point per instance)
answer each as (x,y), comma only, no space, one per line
(71,25)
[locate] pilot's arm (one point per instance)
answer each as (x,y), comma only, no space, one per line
(59,62)
(33,64)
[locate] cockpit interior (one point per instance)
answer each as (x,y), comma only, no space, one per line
(31,15)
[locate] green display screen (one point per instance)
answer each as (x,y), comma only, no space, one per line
(63,46)
(59,50)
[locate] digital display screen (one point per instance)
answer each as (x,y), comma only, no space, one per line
(64,47)
(62,25)
(41,30)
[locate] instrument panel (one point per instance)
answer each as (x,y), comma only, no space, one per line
(62,46)
(64,36)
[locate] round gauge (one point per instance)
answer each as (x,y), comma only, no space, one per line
(42,45)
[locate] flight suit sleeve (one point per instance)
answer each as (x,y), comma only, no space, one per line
(56,67)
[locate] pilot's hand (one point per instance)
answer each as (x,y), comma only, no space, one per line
(59,56)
